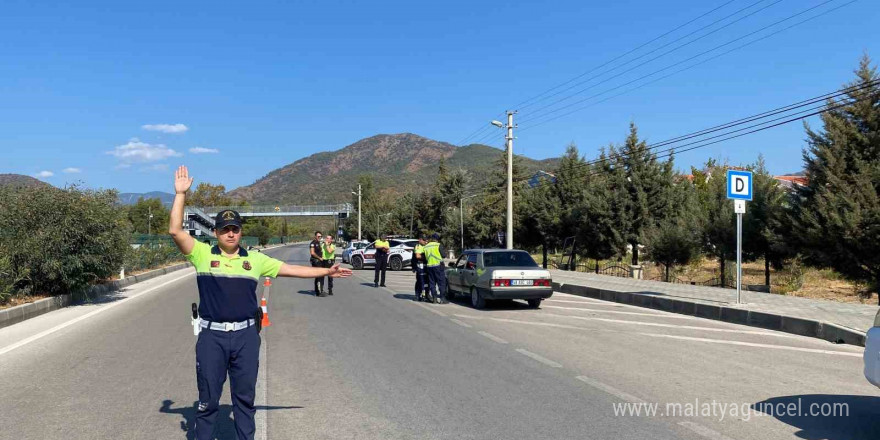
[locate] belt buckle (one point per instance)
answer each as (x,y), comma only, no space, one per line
(230,326)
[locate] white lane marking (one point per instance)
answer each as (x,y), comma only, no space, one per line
(86,316)
(596,302)
(752,344)
(463,324)
(686,338)
(262,396)
(621,312)
(493,337)
(430,309)
(688,327)
(539,358)
(609,389)
(704,431)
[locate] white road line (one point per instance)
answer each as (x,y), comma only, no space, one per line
(539,358)
(463,324)
(704,431)
(86,316)
(752,344)
(430,309)
(688,327)
(621,312)
(493,337)
(609,389)
(590,302)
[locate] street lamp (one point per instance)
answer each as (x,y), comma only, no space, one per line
(461,214)
(359,210)
(509,138)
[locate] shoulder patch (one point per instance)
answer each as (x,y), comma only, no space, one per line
(215,263)
(246,265)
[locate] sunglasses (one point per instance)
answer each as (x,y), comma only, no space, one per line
(228,229)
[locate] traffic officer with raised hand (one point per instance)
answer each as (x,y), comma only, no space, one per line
(316,259)
(328,253)
(418,266)
(436,271)
(382,248)
(229,341)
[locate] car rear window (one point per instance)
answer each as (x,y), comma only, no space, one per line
(508,259)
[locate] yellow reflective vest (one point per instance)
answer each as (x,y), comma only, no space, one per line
(432,255)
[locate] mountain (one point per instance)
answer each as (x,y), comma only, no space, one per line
(132,198)
(20,180)
(397,163)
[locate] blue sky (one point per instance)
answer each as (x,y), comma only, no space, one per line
(115,94)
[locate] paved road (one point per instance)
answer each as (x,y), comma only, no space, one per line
(371,363)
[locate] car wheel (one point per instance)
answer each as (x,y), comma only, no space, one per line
(535,303)
(477,299)
(357,262)
(396,263)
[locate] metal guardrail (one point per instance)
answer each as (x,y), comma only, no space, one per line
(282,210)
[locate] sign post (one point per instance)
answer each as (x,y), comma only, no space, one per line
(739,189)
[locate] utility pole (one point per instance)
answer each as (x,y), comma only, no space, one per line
(149,220)
(359,211)
(509,138)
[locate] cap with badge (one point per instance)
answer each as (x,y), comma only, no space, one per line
(226,218)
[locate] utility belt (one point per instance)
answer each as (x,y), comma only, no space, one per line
(227,326)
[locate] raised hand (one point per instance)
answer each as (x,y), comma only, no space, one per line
(339,272)
(182,181)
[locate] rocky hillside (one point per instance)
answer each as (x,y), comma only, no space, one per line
(395,161)
(20,180)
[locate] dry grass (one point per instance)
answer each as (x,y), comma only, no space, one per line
(794,279)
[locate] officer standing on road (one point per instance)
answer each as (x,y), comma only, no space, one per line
(229,341)
(382,247)
(328,253)
(316,259)
(436,271)
(418,266)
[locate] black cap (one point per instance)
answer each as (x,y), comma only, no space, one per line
(226,218)
(435,236)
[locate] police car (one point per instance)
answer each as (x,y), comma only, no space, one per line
(399,255)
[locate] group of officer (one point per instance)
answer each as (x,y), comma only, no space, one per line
(427,263)
(322,253)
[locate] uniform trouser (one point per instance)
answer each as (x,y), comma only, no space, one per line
(437,279)
(421,281)
(319,281)
(381,266)
(328,264)
(219,353)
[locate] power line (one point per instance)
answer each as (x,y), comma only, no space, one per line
(653,51)
(690,59)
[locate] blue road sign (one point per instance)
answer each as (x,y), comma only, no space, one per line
(739,185)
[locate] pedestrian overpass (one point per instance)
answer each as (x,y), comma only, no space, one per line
(200,220)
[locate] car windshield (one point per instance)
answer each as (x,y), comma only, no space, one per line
(508,259)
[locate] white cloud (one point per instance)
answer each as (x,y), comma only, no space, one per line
(44,174)
(201,150)
(136,151)
(72,170)
(166,128)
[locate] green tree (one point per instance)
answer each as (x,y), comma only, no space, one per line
(837,214)
(719,220)
(648,183)
(207,194)
(766,221)
(490,210)
(676,239)
(139,216)
(60,241)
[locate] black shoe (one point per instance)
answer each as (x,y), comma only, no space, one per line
(376,285)
(381,285)
(330,293)
(317,293)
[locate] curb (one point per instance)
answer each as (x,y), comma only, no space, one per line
(799,326)
(14,315)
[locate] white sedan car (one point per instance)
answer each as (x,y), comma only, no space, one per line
(399,256)
(872,353)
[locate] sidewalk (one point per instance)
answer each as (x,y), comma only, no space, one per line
(832,321)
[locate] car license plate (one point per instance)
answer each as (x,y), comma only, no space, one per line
(521,282)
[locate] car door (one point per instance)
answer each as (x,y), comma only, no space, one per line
(469,272)
(453,275)
(370,254)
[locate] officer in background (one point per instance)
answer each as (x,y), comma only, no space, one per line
(419,267)
(229,341)
(436,272)
(328,253)
(382,247)
(316,259)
